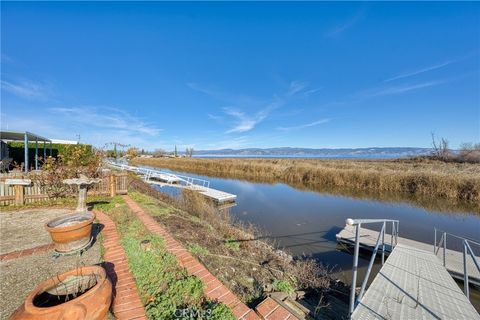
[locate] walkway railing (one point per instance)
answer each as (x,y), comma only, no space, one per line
(467,250)
(149,173)
(380,240)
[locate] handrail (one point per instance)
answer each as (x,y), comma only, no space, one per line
(381,239)
(189,181)
(467,250)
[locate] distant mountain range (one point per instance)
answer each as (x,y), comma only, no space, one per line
(388,152)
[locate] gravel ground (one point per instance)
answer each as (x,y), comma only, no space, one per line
(24,229)
(22,275)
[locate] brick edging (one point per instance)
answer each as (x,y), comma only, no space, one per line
(213,288)
(26,252)
(126,302)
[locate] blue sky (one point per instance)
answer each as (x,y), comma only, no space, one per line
(236,75)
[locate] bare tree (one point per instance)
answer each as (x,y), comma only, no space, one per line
(440,148)
(189,152)
(159,153)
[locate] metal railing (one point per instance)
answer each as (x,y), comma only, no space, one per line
(152,173)
(467,250)
(381,239)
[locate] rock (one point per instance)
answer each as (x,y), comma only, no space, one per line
(268,287)
(300,294)
(146,245)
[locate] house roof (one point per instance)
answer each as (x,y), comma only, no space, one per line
(20,136)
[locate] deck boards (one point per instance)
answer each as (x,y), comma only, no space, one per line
(413,284)
(454,259)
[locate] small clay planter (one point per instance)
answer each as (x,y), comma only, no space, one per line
(71,232)
(82,293)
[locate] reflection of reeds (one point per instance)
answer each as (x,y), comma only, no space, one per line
(424,180)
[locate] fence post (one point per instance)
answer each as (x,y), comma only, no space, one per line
(19,194)
(113,185)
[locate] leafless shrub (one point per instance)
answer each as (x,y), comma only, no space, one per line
(440,147)
(469,152)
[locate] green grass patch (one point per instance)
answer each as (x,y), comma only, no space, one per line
(155,207)
(106,204)
(166,289)
(283,286)
(232,243)
(197,250)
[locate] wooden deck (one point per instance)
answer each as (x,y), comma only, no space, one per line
(454,259)
(413,284)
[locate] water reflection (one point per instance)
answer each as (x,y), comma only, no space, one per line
(305,222)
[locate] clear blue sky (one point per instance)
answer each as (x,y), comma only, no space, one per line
(235,75)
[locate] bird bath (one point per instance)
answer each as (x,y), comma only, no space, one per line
(83,183)
(72,232)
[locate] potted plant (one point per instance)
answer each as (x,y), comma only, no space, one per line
(81,293)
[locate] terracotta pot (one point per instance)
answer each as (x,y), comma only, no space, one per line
(71,232)
(47,300)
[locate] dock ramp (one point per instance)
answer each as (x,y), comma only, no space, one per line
(413,282)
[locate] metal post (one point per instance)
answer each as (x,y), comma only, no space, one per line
(370,265)
(397,228)
(465,271)
(36,154)
(435,241)
(444,248)
(383,242)
(391,237)
(354,269)
(25,162)
(44,151)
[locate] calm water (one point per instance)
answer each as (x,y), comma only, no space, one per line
(305,222)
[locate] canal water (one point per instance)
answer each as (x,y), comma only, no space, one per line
(305,223)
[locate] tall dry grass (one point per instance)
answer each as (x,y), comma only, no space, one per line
(456,182)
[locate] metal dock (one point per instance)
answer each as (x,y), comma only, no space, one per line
(162,178)
(413,282)
(453,259)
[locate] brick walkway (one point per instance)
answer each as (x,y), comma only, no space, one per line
(26,252)
(126,301)
(213,288)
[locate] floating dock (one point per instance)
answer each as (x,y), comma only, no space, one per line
(163,178)
(453,259)
(413,284)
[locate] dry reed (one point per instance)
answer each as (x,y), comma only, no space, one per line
(456,182)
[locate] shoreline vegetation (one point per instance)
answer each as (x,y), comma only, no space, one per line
(239,255)
(433,184)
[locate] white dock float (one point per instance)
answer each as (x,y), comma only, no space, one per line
(162,178)
(453,259)
(217,195)
(413,284)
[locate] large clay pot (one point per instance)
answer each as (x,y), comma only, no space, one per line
(71,232)
(87,289)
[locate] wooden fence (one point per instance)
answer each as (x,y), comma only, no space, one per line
(111,185)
